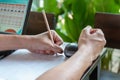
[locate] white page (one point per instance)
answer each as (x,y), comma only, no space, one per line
(23,65)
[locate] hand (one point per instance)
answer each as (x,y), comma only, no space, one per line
(93,40)
(42,43)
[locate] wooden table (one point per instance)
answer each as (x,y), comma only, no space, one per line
(23,65)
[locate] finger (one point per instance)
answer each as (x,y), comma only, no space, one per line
(57,49)
(98,33)
(87,27)
(57,39)
(43,52)
(87,30)
(52,52)
(49,52)
(39,51)
(101,35)
(92,31)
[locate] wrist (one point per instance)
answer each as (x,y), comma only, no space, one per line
(26,41)
(21,41)
(86,52)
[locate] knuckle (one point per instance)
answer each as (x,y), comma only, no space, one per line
(100,32)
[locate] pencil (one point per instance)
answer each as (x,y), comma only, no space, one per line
(47,26)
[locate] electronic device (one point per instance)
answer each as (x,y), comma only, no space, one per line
(70,49)
(14,15)
(13,18)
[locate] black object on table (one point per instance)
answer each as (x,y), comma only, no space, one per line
(4,54)
(70,49)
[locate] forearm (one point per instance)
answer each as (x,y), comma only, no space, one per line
(78,64)
(11,42)
(72,69)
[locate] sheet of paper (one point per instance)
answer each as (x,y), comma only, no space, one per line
(23,65)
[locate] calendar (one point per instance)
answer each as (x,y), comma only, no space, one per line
(12,15)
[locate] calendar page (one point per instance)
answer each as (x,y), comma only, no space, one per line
(12,15)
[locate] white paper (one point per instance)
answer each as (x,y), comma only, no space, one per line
(23,65)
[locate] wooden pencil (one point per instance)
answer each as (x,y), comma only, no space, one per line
(47,26)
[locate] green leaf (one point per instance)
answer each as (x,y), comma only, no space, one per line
(51,6)
(64,37)
(67,4)
(71,28)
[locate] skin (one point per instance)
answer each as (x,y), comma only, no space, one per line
(90,44)
(40,43)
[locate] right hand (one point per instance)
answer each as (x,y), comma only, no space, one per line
(42,43)
(93,39)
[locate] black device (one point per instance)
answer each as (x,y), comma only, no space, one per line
(13,18)
(70,49)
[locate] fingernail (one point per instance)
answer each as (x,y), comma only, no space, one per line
(61,51)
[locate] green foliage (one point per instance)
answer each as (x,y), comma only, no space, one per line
(107,60)
(50,6)
(77,14)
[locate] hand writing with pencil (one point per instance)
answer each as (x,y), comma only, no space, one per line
(49,41)
(42,43)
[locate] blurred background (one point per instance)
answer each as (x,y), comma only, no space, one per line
(73,15)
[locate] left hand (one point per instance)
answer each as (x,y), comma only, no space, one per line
(42,43)
(93,40)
